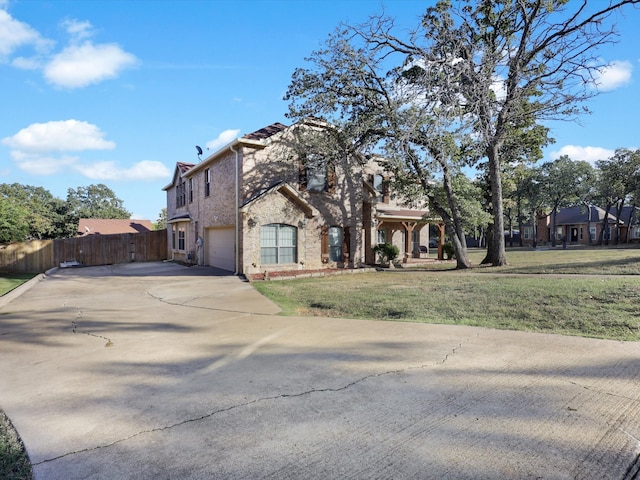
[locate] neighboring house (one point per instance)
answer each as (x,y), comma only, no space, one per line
(260,204)
(102,226)
(580,225)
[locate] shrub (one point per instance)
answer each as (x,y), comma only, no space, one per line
(386,252)
(448,250)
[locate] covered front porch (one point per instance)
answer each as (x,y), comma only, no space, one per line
(405,228)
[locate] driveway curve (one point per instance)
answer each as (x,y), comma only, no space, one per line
(159,371)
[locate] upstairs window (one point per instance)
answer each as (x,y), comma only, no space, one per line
(207,182)
(317,174)
(181,196)
(278,244)
(191,190)
(381,184)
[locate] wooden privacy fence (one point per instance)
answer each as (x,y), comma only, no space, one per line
(37,256)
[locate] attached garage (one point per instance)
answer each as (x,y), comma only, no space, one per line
(220,248)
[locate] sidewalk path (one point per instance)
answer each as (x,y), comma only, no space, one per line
(157,371)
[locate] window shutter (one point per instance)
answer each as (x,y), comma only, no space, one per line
(346,244)
(386,195)
(331,178)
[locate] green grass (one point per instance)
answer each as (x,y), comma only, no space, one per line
(14,463)
(9,281)
(601,306)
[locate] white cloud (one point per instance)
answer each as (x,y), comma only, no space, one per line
(614,75)
(145,170)
(32,63)
(587,154)
(42,164)
(75,66)
(224,138)
(78,29)
(81,65)
(42,149)
(59,136)
(15,34)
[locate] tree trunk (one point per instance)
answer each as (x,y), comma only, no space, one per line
(618,220)
(458,239)
(496,255)
(630,221)
(589,242)
(605,224)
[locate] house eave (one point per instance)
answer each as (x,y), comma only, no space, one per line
(238,142)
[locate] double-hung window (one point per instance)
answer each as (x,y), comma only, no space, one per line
(335,244)
(207,182)
(181,238)
(278,244)
(180,195)
(316,173)
(178,235)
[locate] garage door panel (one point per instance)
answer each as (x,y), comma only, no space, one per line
(220,248)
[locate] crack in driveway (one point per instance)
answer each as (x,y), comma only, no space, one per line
(347,386)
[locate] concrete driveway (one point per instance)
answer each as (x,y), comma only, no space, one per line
(157,371)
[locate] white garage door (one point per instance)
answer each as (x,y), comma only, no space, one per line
(220,248)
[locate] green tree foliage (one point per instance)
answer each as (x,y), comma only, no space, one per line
(13,221)
(28,212)
(35,207)
(95,201)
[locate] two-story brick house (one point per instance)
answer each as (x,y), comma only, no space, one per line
(263,204)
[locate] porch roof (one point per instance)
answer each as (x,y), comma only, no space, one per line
(180,218)
(403,215)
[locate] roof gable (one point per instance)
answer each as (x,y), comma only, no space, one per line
(181,169)
(287,191)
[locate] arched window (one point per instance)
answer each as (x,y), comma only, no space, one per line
(278,244)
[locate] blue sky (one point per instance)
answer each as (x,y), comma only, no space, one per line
(117,91)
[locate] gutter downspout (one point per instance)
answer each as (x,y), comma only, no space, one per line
(237,232)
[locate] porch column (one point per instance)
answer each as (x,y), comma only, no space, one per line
(408,227)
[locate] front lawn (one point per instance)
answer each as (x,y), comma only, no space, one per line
(601,306)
